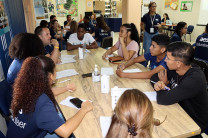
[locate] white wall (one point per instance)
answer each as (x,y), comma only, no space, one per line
(191,18)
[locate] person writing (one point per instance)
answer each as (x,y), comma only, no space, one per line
(133,117)
(156,57)
(34,111)
(80,38)
(186,81)
(180,30)
(127,45)
(150,23)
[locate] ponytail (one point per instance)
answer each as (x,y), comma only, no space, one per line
(134,32)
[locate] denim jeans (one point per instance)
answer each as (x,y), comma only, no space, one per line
(147,42)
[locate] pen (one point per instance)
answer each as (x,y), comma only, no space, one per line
(64,81)
(165,86)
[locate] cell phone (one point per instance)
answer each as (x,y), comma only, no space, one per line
(76,102)
(62,27)
(86,75)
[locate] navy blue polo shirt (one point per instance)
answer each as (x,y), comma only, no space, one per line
(146,19)
(13,70)
(153,61)
(175,38)
(37,124)
(90,27)
(49,49)
(100,34)
(201,50)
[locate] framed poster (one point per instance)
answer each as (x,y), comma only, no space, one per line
(65,7)
(41,9)
(4,25)
(186,6)
(172,4)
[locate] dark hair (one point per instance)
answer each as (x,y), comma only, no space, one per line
(52,23)
(39,29)
(73,27)
(150,4)
(182,50)
(134,33)
(31,82)
(167,17)
(87,17)
(52,16)
(82,25)
(68,15)
(44,23)
(26,45)
(102,24)
(162,40)
(207,28)
(180,26)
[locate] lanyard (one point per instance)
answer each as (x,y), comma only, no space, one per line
(152,20)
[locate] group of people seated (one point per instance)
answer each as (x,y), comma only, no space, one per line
(32,74)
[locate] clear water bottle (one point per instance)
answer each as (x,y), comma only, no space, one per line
(96,74)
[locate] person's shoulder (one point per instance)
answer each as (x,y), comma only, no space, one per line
(133,42)
(87,35)
(158,15)
(42,100)
(74,35)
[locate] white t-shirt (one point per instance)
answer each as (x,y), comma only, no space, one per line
(88,39)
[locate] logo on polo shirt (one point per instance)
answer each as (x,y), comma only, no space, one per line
(203,39)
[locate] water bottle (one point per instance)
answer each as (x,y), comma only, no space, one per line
(96,74)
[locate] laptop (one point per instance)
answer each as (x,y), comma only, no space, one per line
(169,22)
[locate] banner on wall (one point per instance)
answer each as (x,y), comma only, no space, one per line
(51,7)
(186,6)
(172,4)
(4,25)
(41,9)
(65,7)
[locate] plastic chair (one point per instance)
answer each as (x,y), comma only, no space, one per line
(107,42)
(190,30)
(203,66)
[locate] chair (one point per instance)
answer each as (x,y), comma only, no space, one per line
(107,42)
(189,31)
(203,66)
(172,30)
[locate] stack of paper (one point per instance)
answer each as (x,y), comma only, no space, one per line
(107,71)
(67,59)
(105,125)
(66,73)
(132,70)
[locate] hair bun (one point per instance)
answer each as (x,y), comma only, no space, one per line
(132,130)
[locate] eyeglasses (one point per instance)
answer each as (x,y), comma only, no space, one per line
(185,28)
(167,59)
(153,6)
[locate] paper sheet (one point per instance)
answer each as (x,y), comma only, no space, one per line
(66,73)
(87,51)
(68,103)
(131,70)
(107,71)
(67,59)
(151,95)
(105,125)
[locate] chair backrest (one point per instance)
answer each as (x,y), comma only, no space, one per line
(107,42)
(203,66)
(190,28)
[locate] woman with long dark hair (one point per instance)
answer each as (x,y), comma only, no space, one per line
(127,44)
(102,30)
(165,17)
(180,30)
(150,23)
(34,112)
(133,116)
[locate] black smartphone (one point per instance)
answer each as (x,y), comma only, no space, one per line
(62,27)
(76,102)
(86,75)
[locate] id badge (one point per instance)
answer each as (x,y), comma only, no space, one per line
(151,30)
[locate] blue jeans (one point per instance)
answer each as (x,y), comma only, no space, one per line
(147,42)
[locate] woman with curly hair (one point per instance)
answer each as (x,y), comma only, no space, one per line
(128,43)
(33,105)
(133,116)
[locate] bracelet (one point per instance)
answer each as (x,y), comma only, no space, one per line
(56,47)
